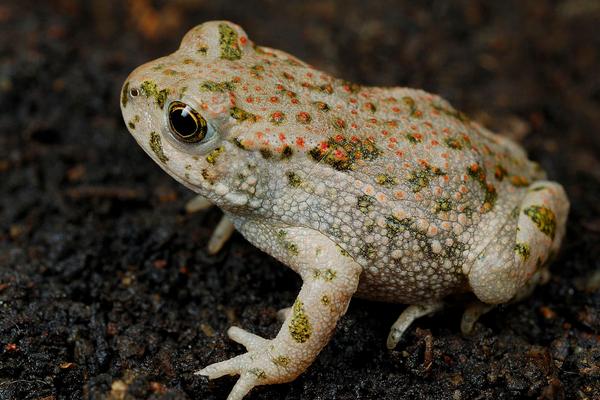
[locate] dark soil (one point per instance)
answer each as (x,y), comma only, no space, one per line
(106,290)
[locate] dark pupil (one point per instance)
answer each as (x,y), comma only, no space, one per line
(183,122)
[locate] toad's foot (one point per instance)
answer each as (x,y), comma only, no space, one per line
(259,366)
(472,313)
(284,313)
(220,236)
(198,203)
(407,317)
(329,281)
(222,232)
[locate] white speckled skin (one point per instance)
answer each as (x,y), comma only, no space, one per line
(384,193)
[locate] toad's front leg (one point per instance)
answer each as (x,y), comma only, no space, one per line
(330,278)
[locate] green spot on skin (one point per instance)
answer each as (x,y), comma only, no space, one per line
(478,173)
(156,146)
(395,226)
(500,172)
(544,218)
(329,275)
(211,158)
(150,89)
(259,373)
(257,70)
(412,106)
(266,153)
(228,42)
(325,300)
(239,143)
(419,179)
(443,205)
(291,247)
(321,106)
(212,86)
(281,361)
(413,138)
(293,179)
(453,143)
(287,152)
(342,251)
(386,180)
(134,121)
(125,94)
(241,115)
(299,327)
(522,249)
(368,251)
(365,203)
(342,153)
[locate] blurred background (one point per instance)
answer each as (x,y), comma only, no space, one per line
(106,290)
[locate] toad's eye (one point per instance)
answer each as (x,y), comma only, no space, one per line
(186,124)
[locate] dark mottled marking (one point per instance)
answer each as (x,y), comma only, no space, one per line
(228,42)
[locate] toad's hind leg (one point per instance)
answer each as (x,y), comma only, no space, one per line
(513,263)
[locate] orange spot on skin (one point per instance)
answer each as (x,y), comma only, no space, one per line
(354,126)
(300,142)
(418,197)
(463,189)
(444,155)
(303,117)
(282,137)
(432,231)
(399,195)
(400,153)
(243,40)
(259,135)
(396,109)
(385,133)
(381,197)
(295,101)
(249,99)
(435,143)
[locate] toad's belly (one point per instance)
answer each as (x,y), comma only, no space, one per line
(411,283)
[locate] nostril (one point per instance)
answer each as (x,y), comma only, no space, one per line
(134,92)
